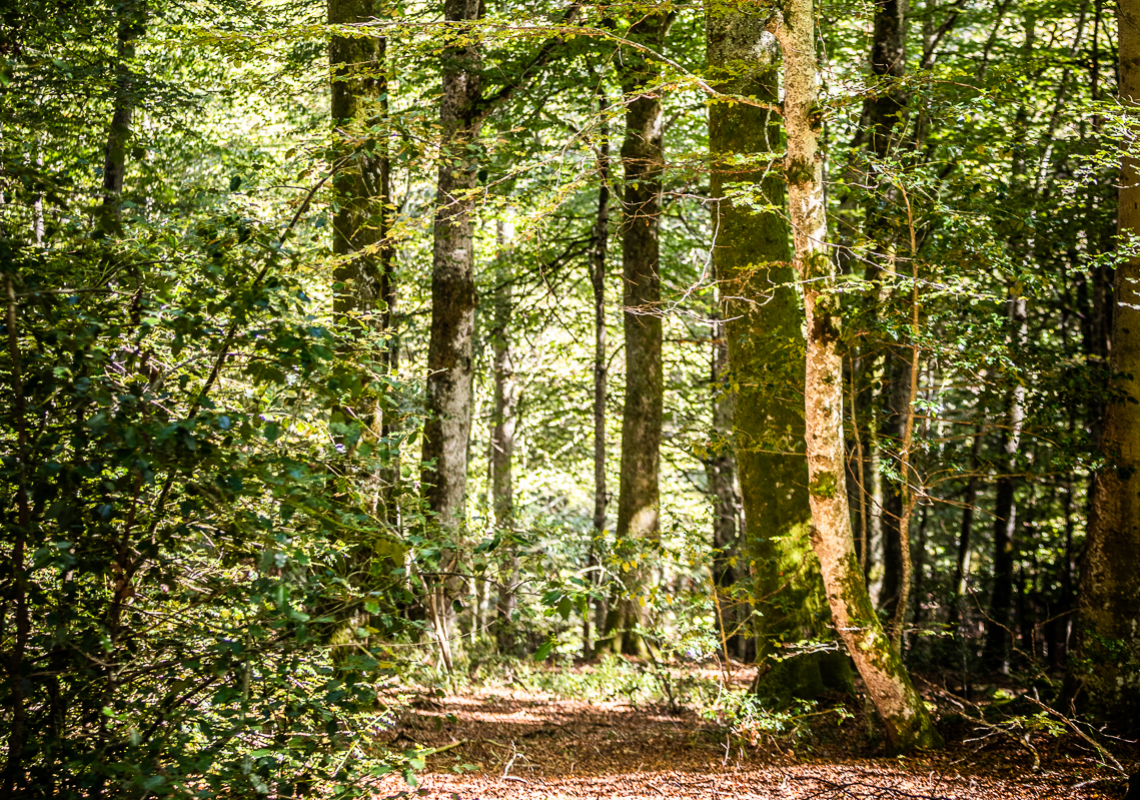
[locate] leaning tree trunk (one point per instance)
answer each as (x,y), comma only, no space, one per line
(638,519)
(752,262)
(901,709)
(1108,622)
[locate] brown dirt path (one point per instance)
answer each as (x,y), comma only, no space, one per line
(531,746)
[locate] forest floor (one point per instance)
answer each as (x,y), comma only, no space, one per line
(517,743)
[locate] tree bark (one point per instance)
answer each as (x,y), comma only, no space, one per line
(638,518)
(358,83)
(449,367)
(966,533)
(1107,667)
(505,420)
(132,17)
(752,263)
(901,709)
(728,528)
(598,252)
(997,649)
(885,111)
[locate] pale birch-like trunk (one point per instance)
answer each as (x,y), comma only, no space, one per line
(899,706)
(1107,632)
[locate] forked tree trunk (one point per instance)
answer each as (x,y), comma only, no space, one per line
(1108,622)
(638,519)
(901,709)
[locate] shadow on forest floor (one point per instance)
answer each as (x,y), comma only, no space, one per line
(529,745)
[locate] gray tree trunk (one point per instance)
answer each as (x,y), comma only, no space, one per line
(449,386)
(728,519)
(643,156)
(598,252)
(504,420)
(132,18)
(450,363)
(998,641)
(966,533)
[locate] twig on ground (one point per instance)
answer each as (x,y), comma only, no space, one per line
(832,789)
(437,750)
(1105,755)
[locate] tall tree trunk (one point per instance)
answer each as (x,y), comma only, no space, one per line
(997,649)
(598,252)
(505,420)
(449,361)
(885,111)
(1108,622)
(358,84)
(752,261)
(720,467)
(642,154)
(17,588)
(449,365)
(901,709)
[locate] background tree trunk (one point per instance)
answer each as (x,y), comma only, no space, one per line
(598,252)
(132,19)
(642,154)
(505,420)
(1108,623)
(728,527)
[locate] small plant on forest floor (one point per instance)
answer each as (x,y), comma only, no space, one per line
(744,716)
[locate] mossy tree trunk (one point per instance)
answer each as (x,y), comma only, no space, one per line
(638,517)
(764,318)
(899,706)
(1107,666)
